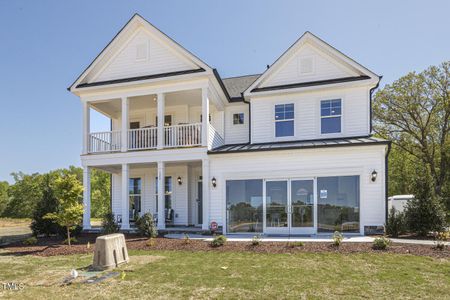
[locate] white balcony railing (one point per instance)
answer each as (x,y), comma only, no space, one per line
(142,138)
(184,135)
(107,141)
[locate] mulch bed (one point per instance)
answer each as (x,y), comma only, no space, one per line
(53,246)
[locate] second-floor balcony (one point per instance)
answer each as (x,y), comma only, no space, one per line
(175,136)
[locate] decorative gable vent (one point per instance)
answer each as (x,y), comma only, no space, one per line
(306,65)
(142,51)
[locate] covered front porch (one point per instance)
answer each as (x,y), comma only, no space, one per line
(135,191)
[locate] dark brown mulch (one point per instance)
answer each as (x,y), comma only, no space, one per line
(53,246)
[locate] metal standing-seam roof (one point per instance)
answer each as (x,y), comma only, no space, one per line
(338,142)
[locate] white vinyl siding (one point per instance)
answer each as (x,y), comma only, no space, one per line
(235,134)
(323,67)
(161,59)
(355,114)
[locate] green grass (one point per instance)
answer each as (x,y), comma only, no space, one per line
(228,275)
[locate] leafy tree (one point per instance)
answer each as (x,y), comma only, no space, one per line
(24,194)
(69,214)
(47,204)
(3,196)
(100,193)
(414,113)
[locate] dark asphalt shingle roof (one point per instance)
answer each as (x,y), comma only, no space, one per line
(237,85)
(338,142)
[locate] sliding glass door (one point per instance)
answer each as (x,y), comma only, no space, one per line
(289,206)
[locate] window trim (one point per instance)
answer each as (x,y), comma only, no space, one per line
(275,123)
(243,118)
(341,132)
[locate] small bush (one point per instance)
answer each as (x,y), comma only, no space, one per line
(441,238)
(218,241)
(186,239)
(146,226)
(150,242)
(30,241)
(72,240)
(337,238)
(109,223)
(295,244)
(256,240)
(395,224)
(381,243)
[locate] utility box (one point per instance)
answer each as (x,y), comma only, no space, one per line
(110,251)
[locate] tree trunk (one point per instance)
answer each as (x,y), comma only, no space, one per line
(68,236)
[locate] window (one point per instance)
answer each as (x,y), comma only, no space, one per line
(244,205)
(330,116)
(168,192)
(238,119)
(135,197)
(284,120)
(134,125)
(167,120)
(338,204)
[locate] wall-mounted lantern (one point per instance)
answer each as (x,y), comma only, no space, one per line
(373,176)
(214,182)
(180,182)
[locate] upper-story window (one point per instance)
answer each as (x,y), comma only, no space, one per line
(284,120)
(238,118)
(330,116)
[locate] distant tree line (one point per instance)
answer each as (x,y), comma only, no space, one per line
(28,192)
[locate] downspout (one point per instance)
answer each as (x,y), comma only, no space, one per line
(386,181)
(249,119)
(370,102)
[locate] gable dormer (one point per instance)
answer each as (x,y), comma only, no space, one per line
(310,62)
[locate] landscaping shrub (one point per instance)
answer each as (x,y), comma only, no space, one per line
(70,241)
(30,241)
(381,243)
(424,215)
(441,238)
(146,226)
(109,223)
(256,240)
(337,238)
(218,241)
(295,244)
(395,224)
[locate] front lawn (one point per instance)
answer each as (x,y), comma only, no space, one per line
(213,274)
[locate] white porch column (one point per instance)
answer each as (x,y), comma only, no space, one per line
(205,117)
(86,126)
(86,198)
(124,132)
(125,198)
(205,195)
(160,130)
(161,196)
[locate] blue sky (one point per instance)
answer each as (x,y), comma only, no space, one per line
(45,45)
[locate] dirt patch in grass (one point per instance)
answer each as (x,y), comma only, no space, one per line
(53,246)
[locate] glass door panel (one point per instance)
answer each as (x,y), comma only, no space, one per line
(276,203)
(302,203)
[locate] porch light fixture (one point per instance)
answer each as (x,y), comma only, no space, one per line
(214,182)
(374,176)
(180,182)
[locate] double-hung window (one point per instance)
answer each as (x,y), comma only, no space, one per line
(330,116)
(284,120)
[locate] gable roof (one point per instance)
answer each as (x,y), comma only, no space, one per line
(136,21)
(364,73)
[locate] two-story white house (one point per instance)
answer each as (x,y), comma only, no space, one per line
(286,151)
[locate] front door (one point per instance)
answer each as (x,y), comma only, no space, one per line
(289,206)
